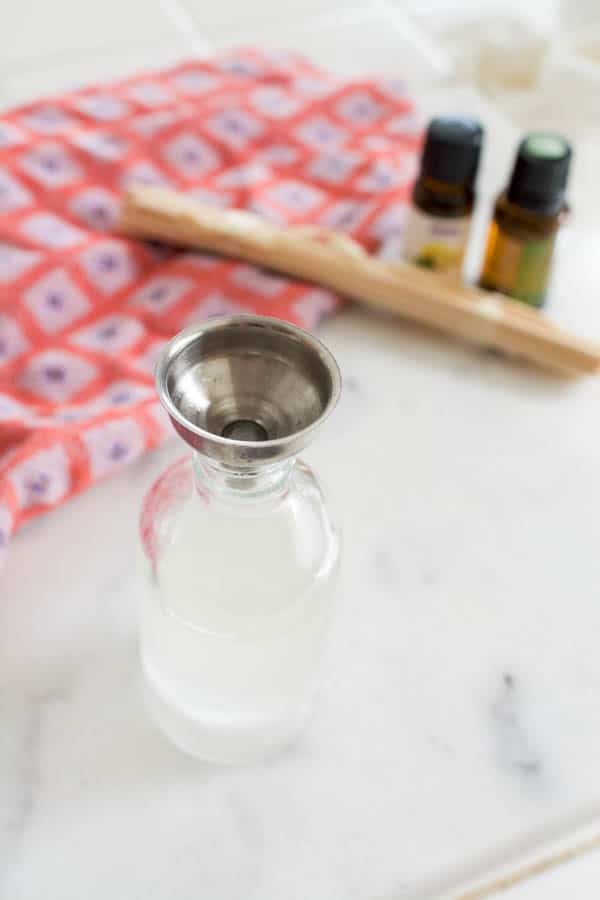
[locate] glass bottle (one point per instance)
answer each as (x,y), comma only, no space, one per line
(240,551)
(443,196)
(527,216)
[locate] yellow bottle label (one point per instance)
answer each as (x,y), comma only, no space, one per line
(436,243)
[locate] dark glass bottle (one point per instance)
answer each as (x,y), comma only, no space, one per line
(443,195)
(526,218)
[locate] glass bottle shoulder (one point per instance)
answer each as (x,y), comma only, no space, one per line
(274,548)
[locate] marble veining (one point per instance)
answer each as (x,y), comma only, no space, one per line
(458,722)
(514,747)
(22,746)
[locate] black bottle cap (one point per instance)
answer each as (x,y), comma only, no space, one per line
(452,148)
(540,172)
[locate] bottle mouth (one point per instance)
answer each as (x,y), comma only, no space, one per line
(246,389)
(245,430)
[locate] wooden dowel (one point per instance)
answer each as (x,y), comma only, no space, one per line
(335,261)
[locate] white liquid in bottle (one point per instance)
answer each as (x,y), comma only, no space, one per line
(235,618)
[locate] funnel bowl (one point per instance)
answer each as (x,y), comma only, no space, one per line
(247,390)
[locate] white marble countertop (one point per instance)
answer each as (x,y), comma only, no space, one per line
(459,720)
(459,725)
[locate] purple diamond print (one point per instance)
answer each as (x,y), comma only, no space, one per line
(194,81)
(47,119)
(109,266)
(117,451)
(333,168)
(360,108)
(320,133)
(38,485)
(157,293)
(235,127)
(114,334)
(162,293)
(112,444)
(123,393)
(215,305)
(143,173)
(42,478)
(345,215)
(191,156)
(149,93)
(55,373)
(151,123)
(274,102)
(99,214)
(56,301)
(107,262)
(245,175)
(96,207)
(56,376)
(120,397)
(245,68)
(381,177)
(296,196)
(108,332)
(50,165)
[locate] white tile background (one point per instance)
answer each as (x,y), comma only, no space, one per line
(48,46)
(51,45)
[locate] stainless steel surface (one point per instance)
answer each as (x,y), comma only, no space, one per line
(229,379)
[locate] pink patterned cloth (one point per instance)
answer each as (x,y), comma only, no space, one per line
(84,312)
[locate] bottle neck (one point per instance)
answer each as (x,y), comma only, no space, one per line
(264,483)
(442,198)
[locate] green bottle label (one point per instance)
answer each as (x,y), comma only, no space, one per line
(518,268)
(534,270)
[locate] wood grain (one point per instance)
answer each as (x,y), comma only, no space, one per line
(335,261)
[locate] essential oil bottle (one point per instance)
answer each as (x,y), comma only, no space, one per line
(526,218)
(443,195)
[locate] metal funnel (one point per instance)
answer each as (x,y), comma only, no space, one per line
(247,390)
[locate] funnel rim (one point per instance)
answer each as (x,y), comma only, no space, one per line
(185,337)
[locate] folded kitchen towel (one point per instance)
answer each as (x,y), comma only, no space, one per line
(84,312)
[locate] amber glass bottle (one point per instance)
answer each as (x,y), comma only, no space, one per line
(443,195)
(526,218)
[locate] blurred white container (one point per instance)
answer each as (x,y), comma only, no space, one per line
(579,13)
(567,93)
